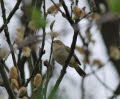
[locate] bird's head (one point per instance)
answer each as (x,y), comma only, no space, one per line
(58,42)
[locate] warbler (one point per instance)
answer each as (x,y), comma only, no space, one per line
(60,54)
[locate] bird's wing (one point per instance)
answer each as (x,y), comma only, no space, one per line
(76,58)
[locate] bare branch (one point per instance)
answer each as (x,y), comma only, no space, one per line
(77,21)
(48,71)
(7,32)
(97,77)
(58,8)
(10,15)
(82,86)
(6,81)
(94,71)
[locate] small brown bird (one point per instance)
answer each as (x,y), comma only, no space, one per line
(60,54)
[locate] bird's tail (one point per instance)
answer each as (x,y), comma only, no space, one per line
(80,71)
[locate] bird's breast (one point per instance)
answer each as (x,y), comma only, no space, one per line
(60,55)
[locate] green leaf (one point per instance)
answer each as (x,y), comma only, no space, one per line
(51,25)
(115,5)
(37,17)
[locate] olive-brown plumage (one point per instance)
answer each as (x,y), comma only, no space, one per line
(60,54)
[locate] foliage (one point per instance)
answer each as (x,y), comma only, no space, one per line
(38,19)
(114,5)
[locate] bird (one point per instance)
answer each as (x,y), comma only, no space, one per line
(60,54)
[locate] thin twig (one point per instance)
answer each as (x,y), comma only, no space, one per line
(68,17)
(72,2)
(87,58)
(76,2)
(6,68)
(7,33)
(10,15)
(6,81)
(58,8)
(97,77)
(94,71)
(48,71)
(43,40)
(82,86)
(44,34)
(51,49)
(77,21)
